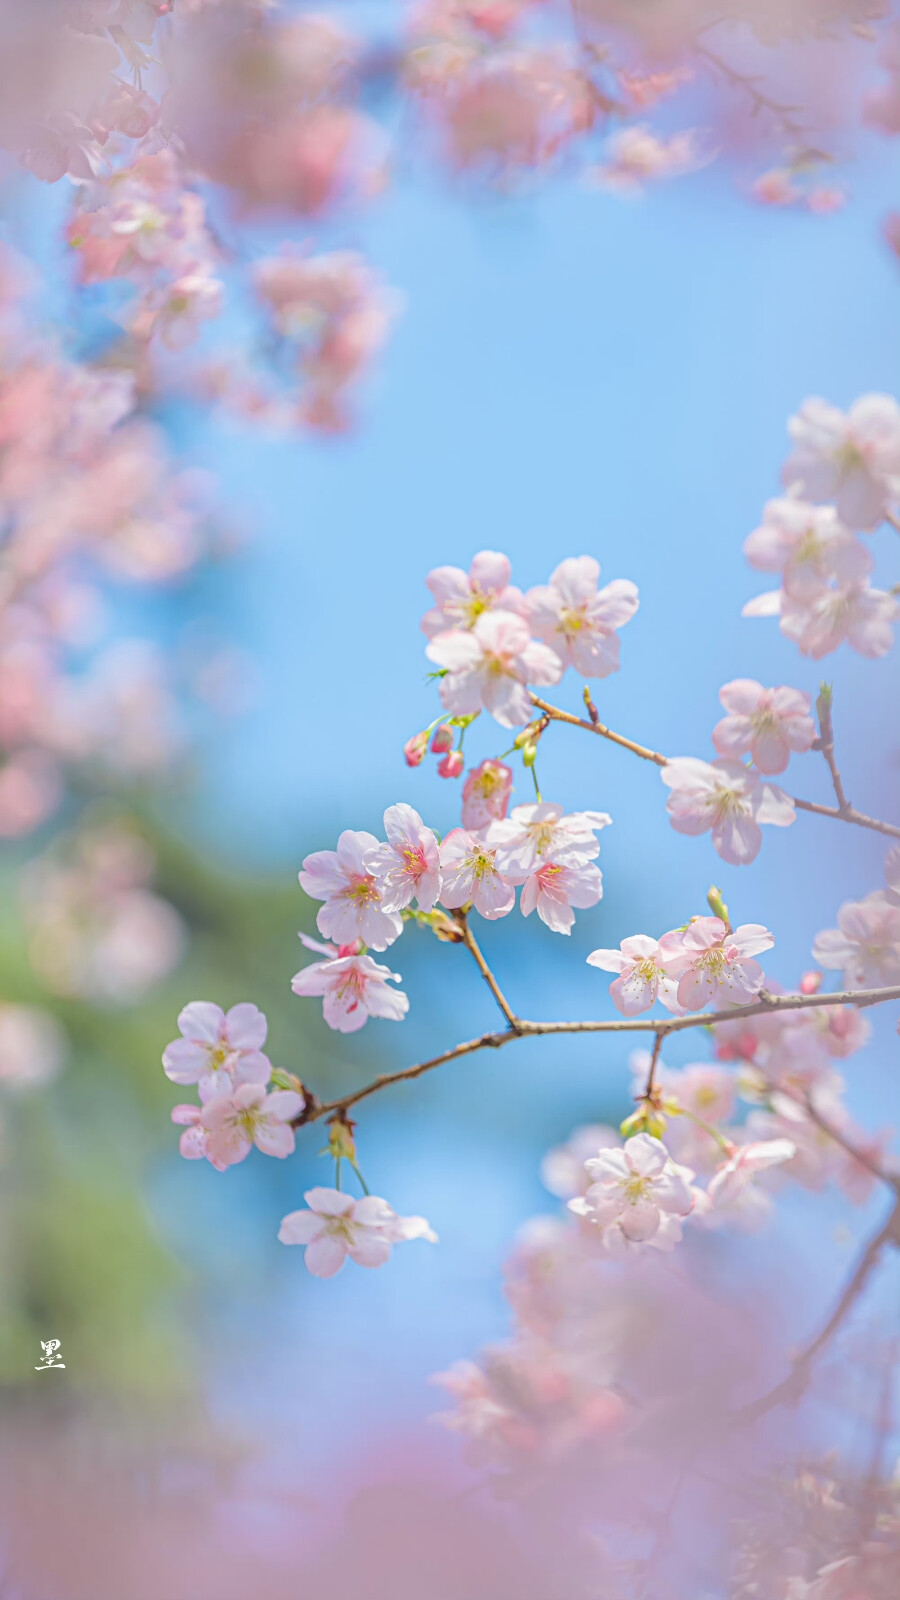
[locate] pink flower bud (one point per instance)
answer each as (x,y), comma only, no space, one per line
(442,742)
(811,983)
(415,748)
(452,765)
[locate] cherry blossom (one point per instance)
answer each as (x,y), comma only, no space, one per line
(461,598)
(733,1176)
(485,795)
(766,724)
(538,834)
(808,546)
(852,458)
(453,765)
(714,963)
(337,1226)
(490,666)
(33,1046)
(865,945)
(407,867)
(219,1051)
(247,1116)
(563,1169)
(855,613)
(728,798)
(354,899)
(637,156)
(471,875)
(578,620)
(192,1143)
(633,1189)
(353,987)
(558,886)
(643,976)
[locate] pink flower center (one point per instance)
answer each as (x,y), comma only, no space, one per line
(362,889)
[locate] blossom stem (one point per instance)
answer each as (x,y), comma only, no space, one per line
(519,1028)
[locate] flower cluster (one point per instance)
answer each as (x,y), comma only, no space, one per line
(704,963)
(851,460)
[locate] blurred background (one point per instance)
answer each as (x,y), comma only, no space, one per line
(571,373)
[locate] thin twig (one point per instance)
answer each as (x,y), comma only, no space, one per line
(525,1029)
(557,715)
(761,101)
(858,818)
(793,1386)
(471,944)
(651,1074)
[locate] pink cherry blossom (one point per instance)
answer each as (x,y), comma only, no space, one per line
(852,458)
(470,875)
(353,987)
(733,1176)
(337,1226)
(766,724)
(486,793)
(637,156)
(234,1122)
(461,598)
(776,188)
(865,945)
(354,899)
(416,749)
(714,964)
(192,1143)
(490,666)
(578,620)
(808,546)
(408,866)
(453,765)
(728,798)
(563,1169)
(558,886)
(632,1189)
(643,975)
(218,1050)
(854,613)
(33,1046)
(442,742)
(539,833)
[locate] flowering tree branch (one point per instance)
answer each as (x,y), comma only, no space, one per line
(843,812)
(520,1028)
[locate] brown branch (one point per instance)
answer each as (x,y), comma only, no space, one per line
(846,1145)
(557,715)
(471,944)
(794,1385)
(858,818)
(847,813)
(782,114)
(524,1029)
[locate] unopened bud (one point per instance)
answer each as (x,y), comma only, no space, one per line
(646,1119)
(452,765)
(589,706)
(415,748)
(442,740)
(443,927)
(811,982)
(341,1143)
(717,905)
(824,702)
(529,753)
(288,1080)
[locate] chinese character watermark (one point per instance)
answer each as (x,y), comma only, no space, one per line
(50,1359)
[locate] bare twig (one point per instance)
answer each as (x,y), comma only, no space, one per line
(471,944)
(794,1385)
(782,114)
(858,818)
